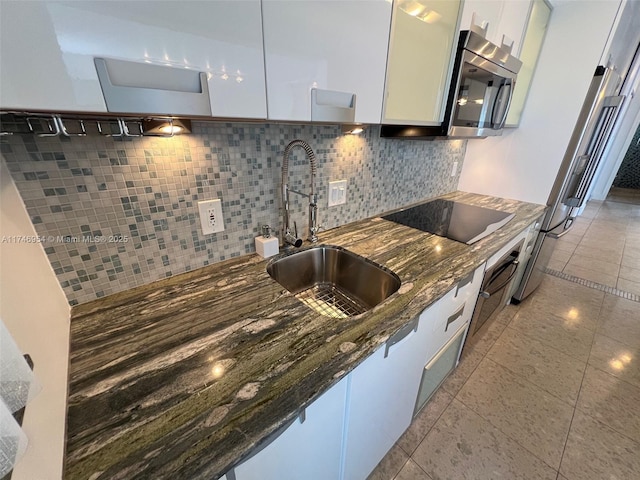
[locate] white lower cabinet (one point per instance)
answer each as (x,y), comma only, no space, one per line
(382,396)
(350,428)
(310,448)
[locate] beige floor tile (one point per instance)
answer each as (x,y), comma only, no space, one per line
(476,348)
(572,237)
(630,273)
(557,265)
(629,286)
(574,314)
(421,425)
(633,234)
(566,336)
(535,419)
(595,451)
(611,256)
(630,261)
(561,255)
(579,228)
(613,221)
(632,251)
(604,243)
(591,210)
(620,320)
(577,305)
(564,295)
(611,401)
(411,471)
(390,465)
(464,446)
(613,232)
(590,263)
(566,246)
(569,238)
(616,359)
(554,372)
(593,275)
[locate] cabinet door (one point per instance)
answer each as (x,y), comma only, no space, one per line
(309,449)
(513,23)
(421,53)
(529,53)
(489,11)
(382,397)
(337,46)
(48,50)
(505,17)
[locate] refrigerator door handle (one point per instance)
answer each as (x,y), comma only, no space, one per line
(559,235)
(595,148)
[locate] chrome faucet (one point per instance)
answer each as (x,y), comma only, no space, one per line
(288,237)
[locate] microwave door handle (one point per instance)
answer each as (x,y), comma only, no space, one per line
(496,102)
(501,92)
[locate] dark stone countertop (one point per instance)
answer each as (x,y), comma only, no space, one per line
(181,378)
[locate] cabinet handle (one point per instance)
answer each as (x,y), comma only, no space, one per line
(444,349)
(133,87)
(454,317)
(400,334)
(465,281)
(332,106)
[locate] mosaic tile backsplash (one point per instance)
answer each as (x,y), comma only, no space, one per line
(117,213)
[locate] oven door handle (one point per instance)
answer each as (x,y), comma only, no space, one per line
(486,294)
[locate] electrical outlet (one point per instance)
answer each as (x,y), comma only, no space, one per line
(211,216)
(454,170)
(337,192)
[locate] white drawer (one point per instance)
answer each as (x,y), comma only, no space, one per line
(444,318)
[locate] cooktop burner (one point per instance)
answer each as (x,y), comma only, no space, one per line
(457,221)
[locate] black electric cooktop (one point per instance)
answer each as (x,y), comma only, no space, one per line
(457,221)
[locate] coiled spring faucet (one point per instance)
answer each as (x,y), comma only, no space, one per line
(288,237)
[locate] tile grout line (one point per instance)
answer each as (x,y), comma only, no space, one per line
(575,406)
(590,284)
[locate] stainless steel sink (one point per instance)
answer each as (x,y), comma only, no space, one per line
(334,281)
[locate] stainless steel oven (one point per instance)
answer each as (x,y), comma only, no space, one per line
(494,291)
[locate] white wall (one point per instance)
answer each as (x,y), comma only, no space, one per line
(36,313)
(522,164)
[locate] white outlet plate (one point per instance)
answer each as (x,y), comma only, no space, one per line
(211,219)
(337,192)
(454,169)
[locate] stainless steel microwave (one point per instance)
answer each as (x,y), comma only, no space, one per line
(484,76)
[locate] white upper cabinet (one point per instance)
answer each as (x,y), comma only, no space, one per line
(531,47)
(48,51)
(422,48)
(505,17)
(331,55)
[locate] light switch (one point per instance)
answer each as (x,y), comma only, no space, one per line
(337,192)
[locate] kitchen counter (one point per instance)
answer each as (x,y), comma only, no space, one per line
(181,378)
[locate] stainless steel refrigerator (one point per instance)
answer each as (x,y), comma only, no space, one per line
(576,173)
